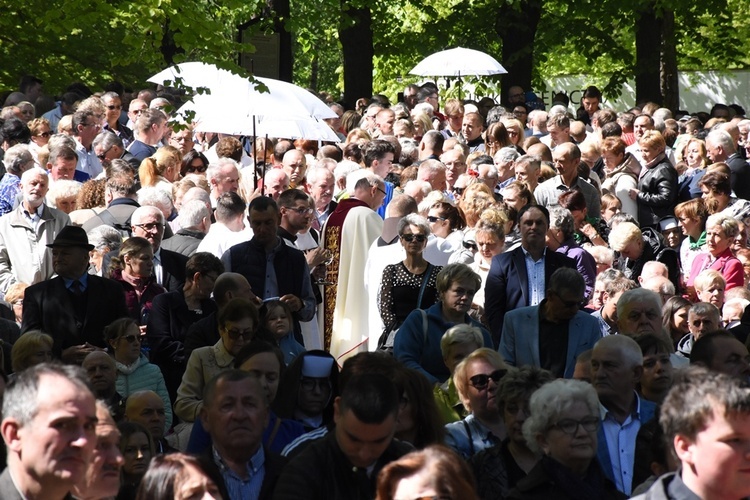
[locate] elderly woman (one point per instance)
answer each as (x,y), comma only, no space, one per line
(489,235)
(560,239)
(710,287)
(238,323)
(63,195)
(691,216)
(621,171)
(105,239)
(717,197)
(134,372)
(31,348)
(417,344)
(435,472)
(657,187)
(14,297)
(410,284)
(133,269)
(18,159)
(562,426)
(457,343)
(499,468)
(477,380)
(720,232)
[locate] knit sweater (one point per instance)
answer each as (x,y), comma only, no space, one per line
(143,376)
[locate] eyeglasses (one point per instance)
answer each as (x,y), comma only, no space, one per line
(236,334)
(132,339)
(419,238)
(151,226)
(470,245)
(104,154)
(572,303)
(310,383)
(458,190)
(481,381)
(433,218)
(95,125)
(192,169)
(570,426)
(44,134)
(112,107)
(301,210)
(137,111)
(384,193)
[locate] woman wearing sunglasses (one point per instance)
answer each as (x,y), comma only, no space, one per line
(563,427)
(477,379)
(446,224)
(410,284)
(40,134)
(134,371)
(194,162)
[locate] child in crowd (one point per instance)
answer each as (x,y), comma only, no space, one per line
(277,318)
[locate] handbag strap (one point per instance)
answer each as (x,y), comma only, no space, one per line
(424,285)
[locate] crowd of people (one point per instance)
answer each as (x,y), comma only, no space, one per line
(461,299)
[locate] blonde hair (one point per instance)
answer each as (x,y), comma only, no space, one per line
(624,234)
(155,166)
(707,278)
(461,375)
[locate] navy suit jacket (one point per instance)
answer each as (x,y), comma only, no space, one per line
(602,453)
(507,285)
(519,345)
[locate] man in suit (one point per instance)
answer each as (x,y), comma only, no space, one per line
(235,413)
(721,148)
(169,267)
(616,368)
(45,458)
(75,306)
(518,278)
(552,334)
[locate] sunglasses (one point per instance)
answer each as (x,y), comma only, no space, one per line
(432,218)
(44,134)
(301,210)
(481,381)
(245,334)
(193,170)
(132,339)
(458,190)
(112,108)
(419,238)
(470,245)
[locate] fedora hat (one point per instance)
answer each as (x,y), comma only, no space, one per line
(72,236)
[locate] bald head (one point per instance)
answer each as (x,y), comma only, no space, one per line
(401,206)
(230,286)
(276,182)
(147,408)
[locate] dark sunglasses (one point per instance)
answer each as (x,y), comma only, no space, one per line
(191,169)
(44,134)
(245,334)
(132,339)
(481,381)
(420,238)
(470,245)
(112,108)
(458,190)
(432,218)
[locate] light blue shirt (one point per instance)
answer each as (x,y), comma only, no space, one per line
(621,445)
(249,487)
(469,436)
(536,278)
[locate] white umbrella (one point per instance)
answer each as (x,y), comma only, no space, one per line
(230,92)
(458,62)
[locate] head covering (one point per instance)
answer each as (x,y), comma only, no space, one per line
(668,223)
(72,236)
(317,366)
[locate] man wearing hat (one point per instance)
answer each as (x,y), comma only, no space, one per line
(25,231)
(75,306)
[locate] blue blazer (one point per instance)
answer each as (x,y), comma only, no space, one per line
(519,345)
(507,286)
(602,453)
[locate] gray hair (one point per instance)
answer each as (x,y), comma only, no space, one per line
(409,151)
(507,154)
(723,139)
(315,172)
(142,211)
(562,219)
(413,220)
(193,213)
(602,255)
(638,295)
(155,197)
(106,140)
(214,169)
(62,189)
(729,225)
(460,334)
(33,171)
(105,238)
(551,401)
(16,158)
(21,400)
(706,309)
(59,140)
(531,160)
(627,348)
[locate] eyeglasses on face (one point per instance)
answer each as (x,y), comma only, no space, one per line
(113,107)
(235,334)
(193,169)
(481,381)
(309,383)
(151,226)
(434,218)
(301,210)
(570,426)
(470,245)
(419,238)
(45,134)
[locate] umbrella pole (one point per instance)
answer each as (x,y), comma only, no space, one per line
(255,160)
(263,190)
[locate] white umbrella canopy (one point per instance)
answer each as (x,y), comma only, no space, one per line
(458,62)
(232,92)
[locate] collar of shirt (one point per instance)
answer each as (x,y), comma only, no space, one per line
(528,255)
(37,212)
(157,256)
(252,467)
(562,182)
(604,412)
(83,280)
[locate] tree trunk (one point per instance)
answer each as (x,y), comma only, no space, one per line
(281,12)
(648,36)
(355,34)
(517,30)
(669,82)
